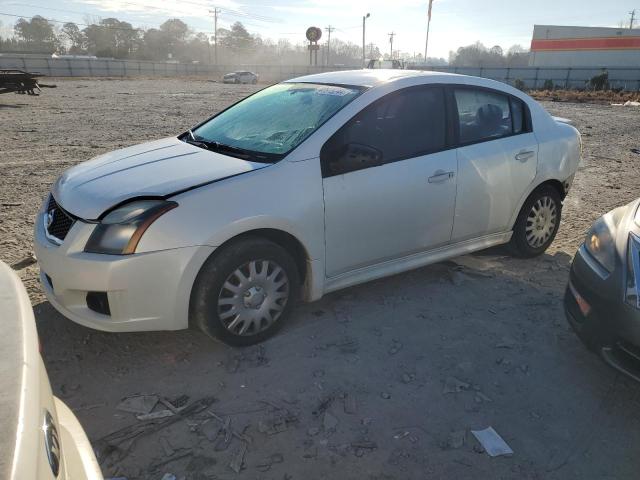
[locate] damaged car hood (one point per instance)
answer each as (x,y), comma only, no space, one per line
(153,169)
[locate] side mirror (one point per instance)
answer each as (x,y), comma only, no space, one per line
(352,157)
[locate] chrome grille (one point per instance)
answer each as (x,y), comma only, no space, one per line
(57,222)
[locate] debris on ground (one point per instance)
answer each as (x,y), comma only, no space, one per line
(395,347)
(270,461)
(492,443)
(166,447)
(155,415)
(329,422)
(385,395)
(24,263)
(455,439)
(458,278)
(168,476)
(454,385)
(140,404)
(111,448)
(350,405)
(237,458)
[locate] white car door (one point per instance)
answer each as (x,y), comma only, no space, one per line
(497,160)
(389,181)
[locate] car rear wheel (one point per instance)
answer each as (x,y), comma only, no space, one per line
(537,223)
(244,293)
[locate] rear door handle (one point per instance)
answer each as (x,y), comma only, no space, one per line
(525,155)
(440,176)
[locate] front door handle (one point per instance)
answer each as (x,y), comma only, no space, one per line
(524,155)
(440,176)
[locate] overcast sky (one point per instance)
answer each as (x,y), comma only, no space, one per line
(454,22)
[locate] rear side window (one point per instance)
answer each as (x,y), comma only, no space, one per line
(483,115)
(401,125)
(518,114)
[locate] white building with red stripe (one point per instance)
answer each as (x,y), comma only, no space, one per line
(558,46)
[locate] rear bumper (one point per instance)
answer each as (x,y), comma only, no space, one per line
(146,291)
(610,327)
(79,460)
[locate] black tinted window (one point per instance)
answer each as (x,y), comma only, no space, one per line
(518,114)
(401,125)
(483,115)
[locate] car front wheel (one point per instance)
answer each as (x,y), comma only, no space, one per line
(537,223)
(244,292)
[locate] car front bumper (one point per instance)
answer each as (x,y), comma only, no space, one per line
(595,308)
(79,460)
(145,291)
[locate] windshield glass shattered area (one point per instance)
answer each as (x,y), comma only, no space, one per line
(277,119)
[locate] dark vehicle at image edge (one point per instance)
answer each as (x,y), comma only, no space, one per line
(602,300)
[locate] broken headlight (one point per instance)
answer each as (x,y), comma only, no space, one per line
(119,232)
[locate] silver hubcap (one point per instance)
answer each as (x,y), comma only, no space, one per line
(541,222)
(253,297)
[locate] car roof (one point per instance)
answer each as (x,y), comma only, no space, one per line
(372,77)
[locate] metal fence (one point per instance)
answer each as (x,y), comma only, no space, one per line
(532,77)
(104,67)
(535,77)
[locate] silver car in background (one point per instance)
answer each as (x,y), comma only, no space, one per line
(241,77)
(306,187)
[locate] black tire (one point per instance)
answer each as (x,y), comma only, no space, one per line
(208,289)
(520,245)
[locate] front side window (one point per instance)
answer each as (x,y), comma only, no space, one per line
(402,125)
(269,124)
(483,115)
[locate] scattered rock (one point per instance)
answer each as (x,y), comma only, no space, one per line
(408,377)
(395,347)
(385,395)
(454,385)
(318,373)
(481,397)
(313,431)
(329,422)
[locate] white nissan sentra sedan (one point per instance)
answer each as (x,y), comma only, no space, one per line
(303,188)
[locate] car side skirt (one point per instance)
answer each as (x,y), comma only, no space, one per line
(410,262)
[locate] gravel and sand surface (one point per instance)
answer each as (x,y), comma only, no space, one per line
(381,381)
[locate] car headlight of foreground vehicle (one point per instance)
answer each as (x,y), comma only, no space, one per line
(601,238)
(119,232)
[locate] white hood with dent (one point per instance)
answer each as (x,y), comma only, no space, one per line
(157,168)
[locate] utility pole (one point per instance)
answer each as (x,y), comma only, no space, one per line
(391,35)
(329,29)
(364,19)
(215,12)
(633,17)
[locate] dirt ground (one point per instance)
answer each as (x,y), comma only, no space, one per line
(380,381)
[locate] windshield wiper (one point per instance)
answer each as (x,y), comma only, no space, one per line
(237,152)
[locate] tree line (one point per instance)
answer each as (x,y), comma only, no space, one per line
(174,40)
